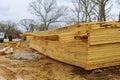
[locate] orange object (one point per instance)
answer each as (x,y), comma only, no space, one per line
(13,44)
(18,44)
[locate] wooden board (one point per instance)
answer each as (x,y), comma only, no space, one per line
(28,38)
(72,53)
(104,36)
(103,55)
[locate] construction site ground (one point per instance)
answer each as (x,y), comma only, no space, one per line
(46,68)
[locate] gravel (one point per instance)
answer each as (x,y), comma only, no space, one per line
(26,56)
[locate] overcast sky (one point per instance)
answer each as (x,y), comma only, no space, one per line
(14,9)
(18,9)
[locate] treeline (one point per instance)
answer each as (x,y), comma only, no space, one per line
(10,29)
(52,14)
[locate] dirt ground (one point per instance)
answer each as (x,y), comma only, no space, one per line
(50,69)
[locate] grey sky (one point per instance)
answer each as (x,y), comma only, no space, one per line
(18,9)
(14,9)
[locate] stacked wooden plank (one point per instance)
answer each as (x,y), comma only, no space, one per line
(87,45)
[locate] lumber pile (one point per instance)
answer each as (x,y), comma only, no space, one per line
(87,45)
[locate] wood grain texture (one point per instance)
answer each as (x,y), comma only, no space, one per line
(87,45)
(28,38)
(72,53)
(104,36)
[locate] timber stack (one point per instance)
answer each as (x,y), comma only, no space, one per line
(87,45)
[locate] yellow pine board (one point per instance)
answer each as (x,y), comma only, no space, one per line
(98,65)
(60,52)
(101,36)
(104,59)
(29,37)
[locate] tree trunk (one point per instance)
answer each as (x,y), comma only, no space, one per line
(102,13)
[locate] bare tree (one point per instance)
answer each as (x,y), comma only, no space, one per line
(47,11)
(118,2)
(9,28)
(102,9)
(32,27)
(82,11)
(27,24)
(39,27)
(88,8)
(77,11)
(3,27)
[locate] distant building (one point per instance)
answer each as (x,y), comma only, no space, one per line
(2,35)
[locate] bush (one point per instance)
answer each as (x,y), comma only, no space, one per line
(5,36)
(10,38)
(1,40)
(24,38)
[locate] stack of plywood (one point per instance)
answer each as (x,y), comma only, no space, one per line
(87,45)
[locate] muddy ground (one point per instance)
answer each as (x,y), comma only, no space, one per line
(46,68)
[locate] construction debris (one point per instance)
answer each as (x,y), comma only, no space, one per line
(6,50)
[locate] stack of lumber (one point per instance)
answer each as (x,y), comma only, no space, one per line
(29,38)
(87,45)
